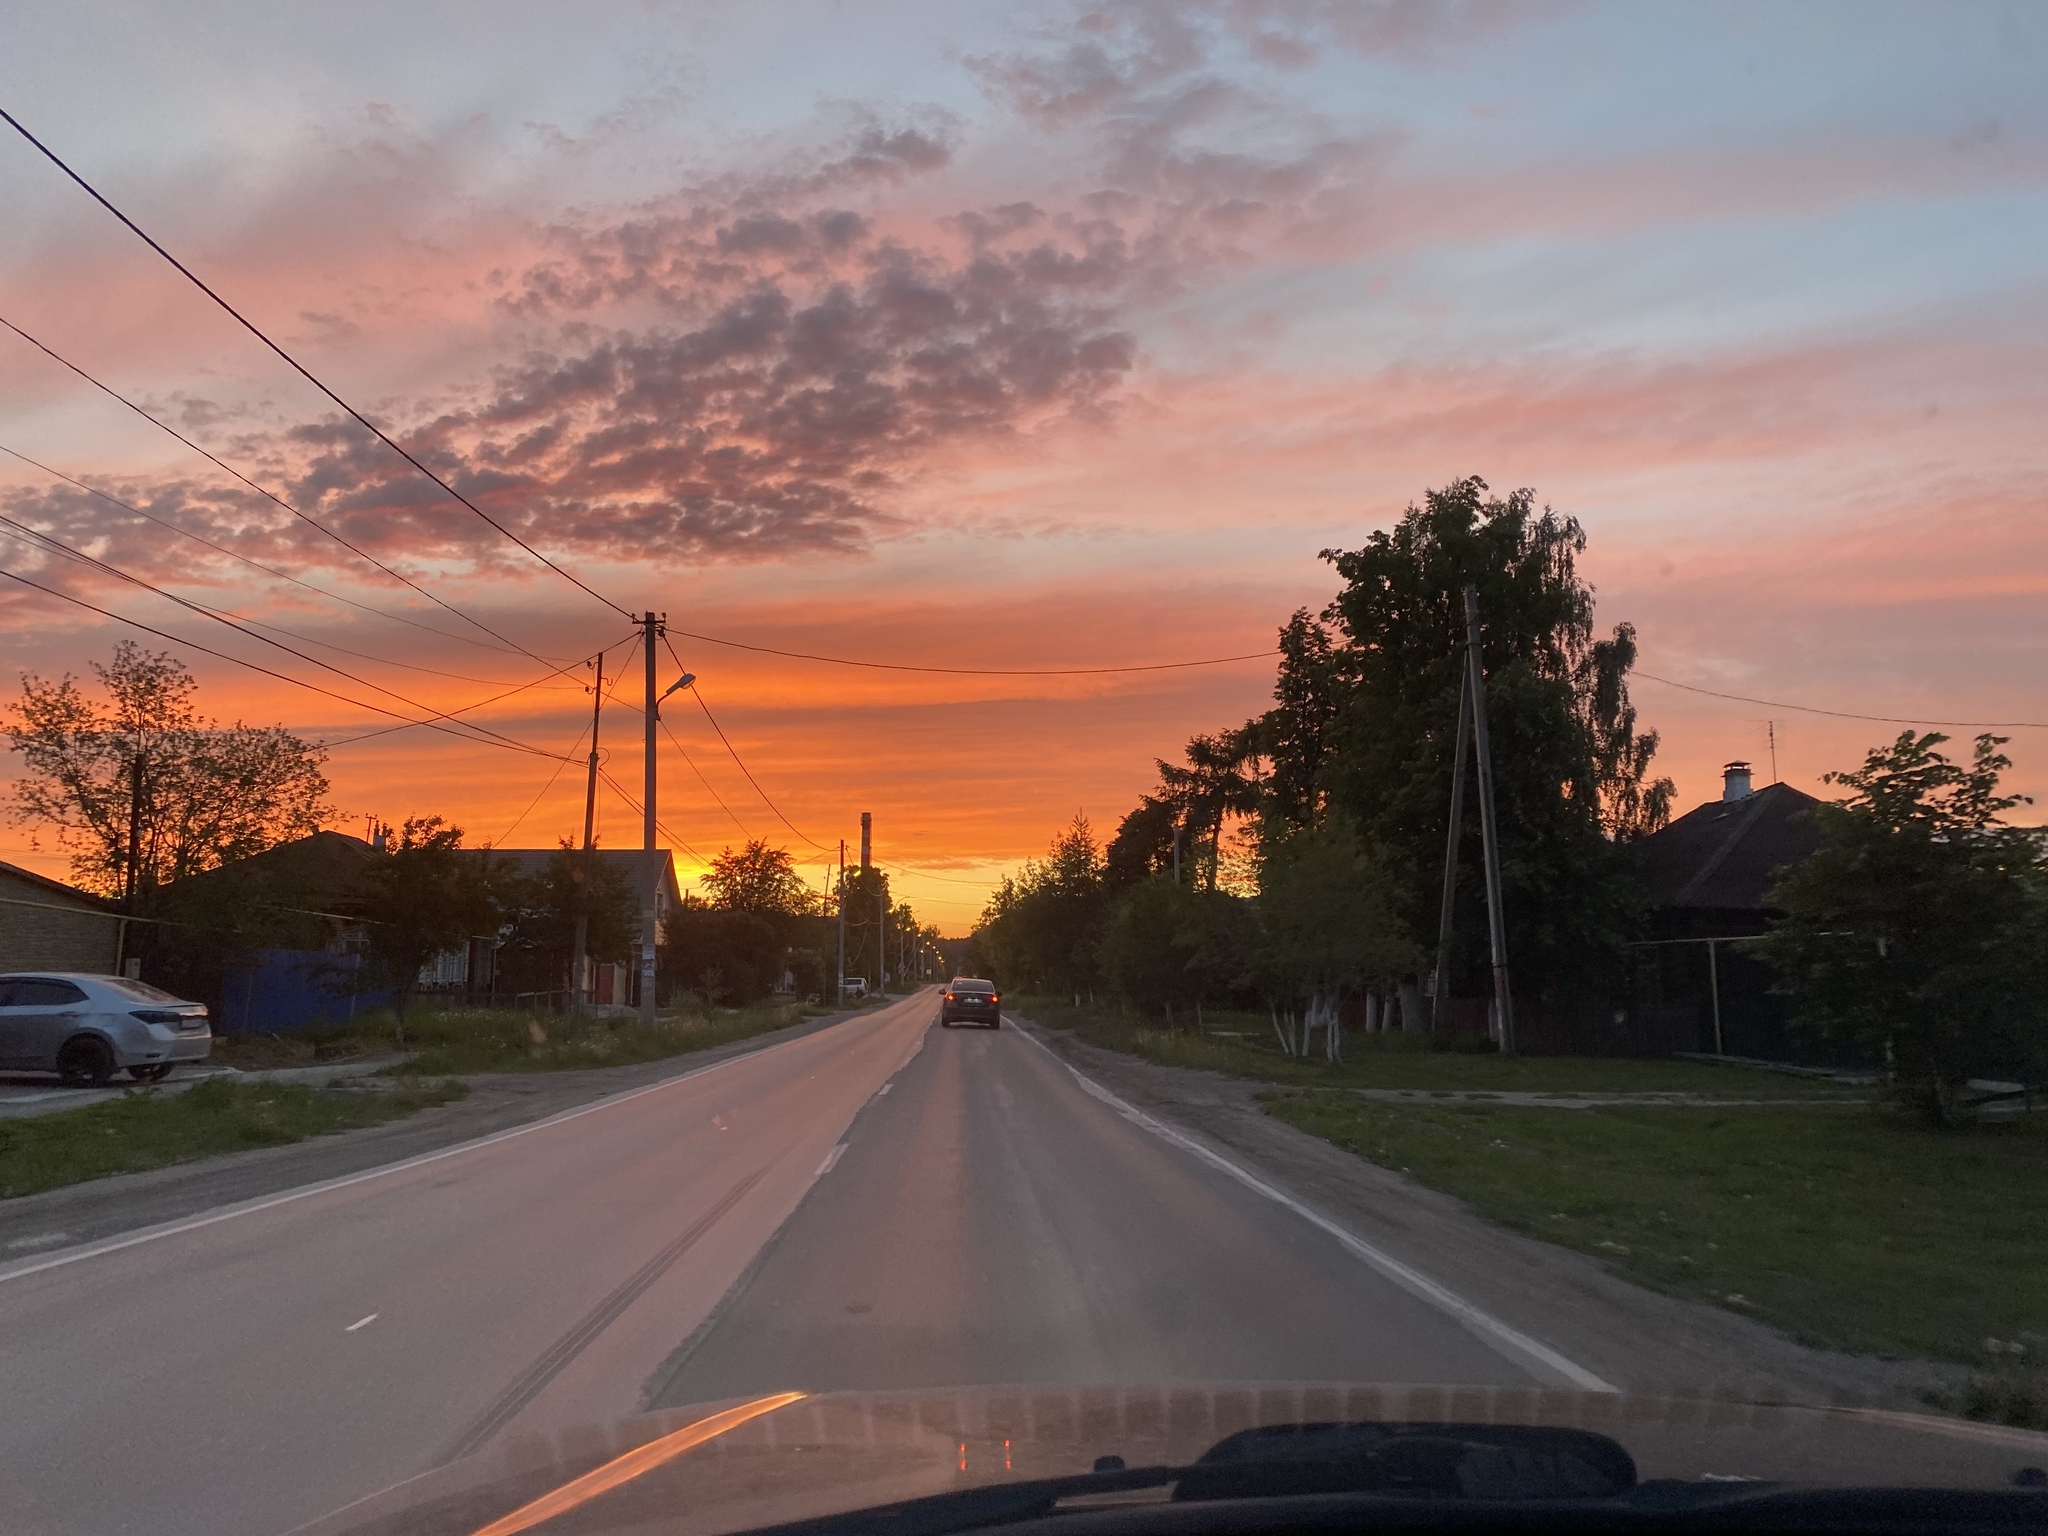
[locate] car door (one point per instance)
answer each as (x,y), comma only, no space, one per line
(45,1013)
(13,1027)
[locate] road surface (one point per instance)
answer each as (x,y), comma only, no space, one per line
(881,1204)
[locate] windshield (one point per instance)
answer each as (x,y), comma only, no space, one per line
(806,756)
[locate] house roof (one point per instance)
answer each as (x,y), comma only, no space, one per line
(46,886)
(1726,853)
(323,870)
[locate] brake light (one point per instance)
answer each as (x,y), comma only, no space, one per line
(993,998)
(951,998)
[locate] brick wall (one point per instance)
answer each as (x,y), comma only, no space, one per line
(38,939)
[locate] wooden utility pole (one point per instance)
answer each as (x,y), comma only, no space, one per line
(651,627)
(579,980)
(1496,922)
(1440,987)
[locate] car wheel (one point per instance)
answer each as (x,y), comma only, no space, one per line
(85,1060)
(151,1074)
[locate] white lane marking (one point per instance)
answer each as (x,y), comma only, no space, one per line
(1508,1340)
(361,1323)
(26,1267)
(885,1087)
(831,1158)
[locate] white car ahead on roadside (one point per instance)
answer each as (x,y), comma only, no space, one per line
(86,1028)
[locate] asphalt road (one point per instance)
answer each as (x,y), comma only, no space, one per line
(881,1204)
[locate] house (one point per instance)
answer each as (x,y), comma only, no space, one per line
(46,925)
(609,983)
(1706,879)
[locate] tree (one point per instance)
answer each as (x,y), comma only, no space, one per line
(541,910)
(144,771)
(1298,734)
(426,897)
(759,879)
(1328,909)
(1919,928)
(1569,766)
(730,957)
(1039,929)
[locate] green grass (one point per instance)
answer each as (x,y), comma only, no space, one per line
(1407,1061)
(148,1128)
(452,1041)
(1852,1226)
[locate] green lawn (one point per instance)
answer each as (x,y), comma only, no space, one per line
(148,1128)
(1250,1049)
(1848,1226)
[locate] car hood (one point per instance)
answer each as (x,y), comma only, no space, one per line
(725,1467)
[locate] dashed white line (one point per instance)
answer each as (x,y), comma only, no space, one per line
(830,1158)
(363,1322)
(885,1087)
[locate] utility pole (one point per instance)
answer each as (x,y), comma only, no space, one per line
(1496,922)
(1440,988)
(839,997)
(651,626)
(1176,852)
(881,938)
(579,980)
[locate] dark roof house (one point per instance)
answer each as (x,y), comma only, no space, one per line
(1723,856)
(1706,880)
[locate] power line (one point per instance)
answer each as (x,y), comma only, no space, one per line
(676,742)
(271,496)
(206,650)
(891,666)
(1843,714)
(460,677)
(221,617)
(697,694)
(634,805)
(300,368)
(536,800)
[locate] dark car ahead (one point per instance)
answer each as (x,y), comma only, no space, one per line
(970,1000)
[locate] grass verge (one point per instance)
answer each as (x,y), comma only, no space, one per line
(1244,1045)
(1852,1227)
(455,1041)
(147,1128)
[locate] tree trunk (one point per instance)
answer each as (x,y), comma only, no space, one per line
(1412,1022)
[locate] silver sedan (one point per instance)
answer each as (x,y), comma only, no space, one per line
(87,1028)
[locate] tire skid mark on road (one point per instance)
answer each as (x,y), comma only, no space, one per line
(557,1356)
(1512,1342)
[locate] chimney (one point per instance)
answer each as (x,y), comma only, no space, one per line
(1735,782)
(867,829)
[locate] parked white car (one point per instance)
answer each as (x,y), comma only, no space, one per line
(87,1028)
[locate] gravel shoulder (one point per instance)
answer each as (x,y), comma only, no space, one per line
(1637,1338)
(84,1213)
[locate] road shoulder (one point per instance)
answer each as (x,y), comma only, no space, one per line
(1637,1338)
(33,1225)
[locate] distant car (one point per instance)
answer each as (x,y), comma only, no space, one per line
(87,1028)
(970,1000)
(854,986)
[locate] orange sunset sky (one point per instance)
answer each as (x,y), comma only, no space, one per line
(1013,337)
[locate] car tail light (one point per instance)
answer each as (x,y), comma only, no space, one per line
(189,1020)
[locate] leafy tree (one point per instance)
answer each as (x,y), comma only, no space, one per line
(541,910)
(1143,845)
(1150,945)
(145,766)
(426,897)
(730,957)
(759,879)
(1039,930)
(1919,929)
(1328,910)
(1298,734)
(1569,765)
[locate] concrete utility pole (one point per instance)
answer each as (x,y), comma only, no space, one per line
(881,939)
(651,626)
(1440,990)
(1496,922)
(579,980)
(840,996)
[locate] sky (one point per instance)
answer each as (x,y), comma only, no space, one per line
(1012,337)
